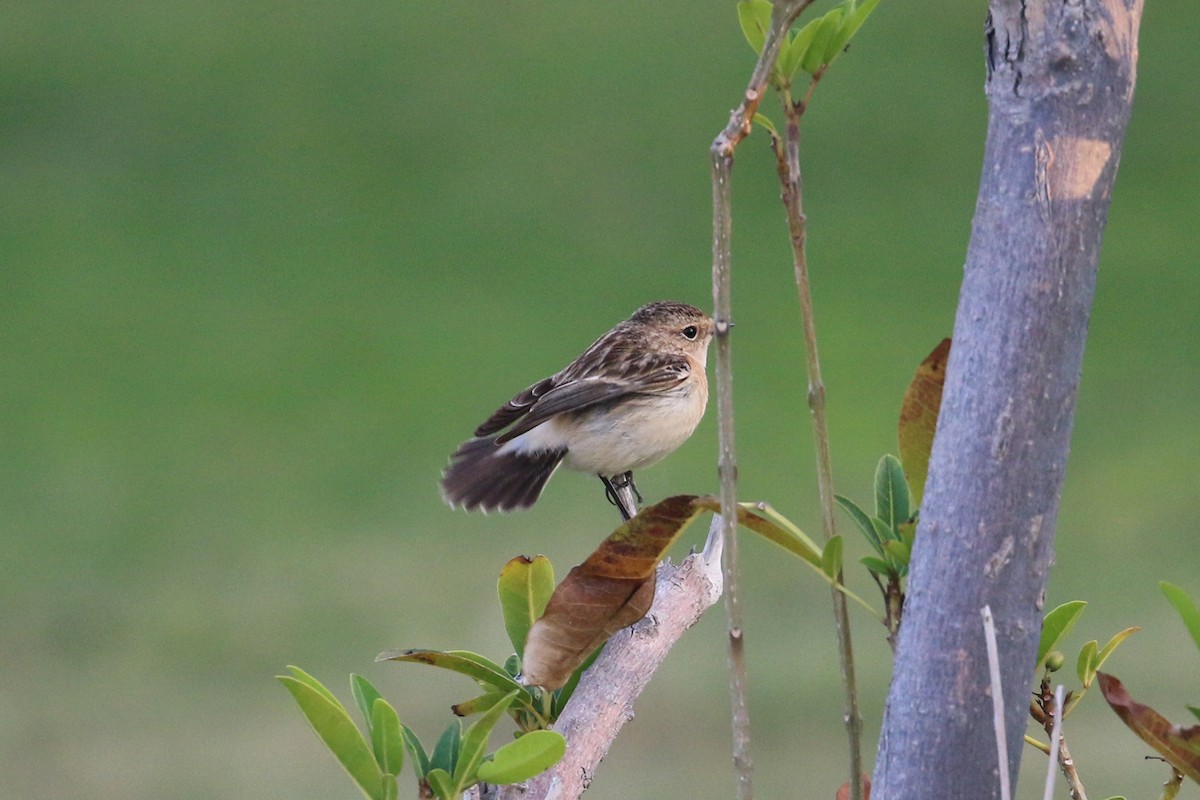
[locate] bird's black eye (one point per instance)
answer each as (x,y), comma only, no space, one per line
(690,332)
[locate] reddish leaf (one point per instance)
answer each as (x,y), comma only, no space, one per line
(611,590)
(1180,746)
(918,418)
(843,792)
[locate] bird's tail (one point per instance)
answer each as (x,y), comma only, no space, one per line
(487,477)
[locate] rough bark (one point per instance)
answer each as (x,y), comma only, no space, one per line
(1060,78)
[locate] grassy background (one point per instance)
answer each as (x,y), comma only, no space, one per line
(264,265)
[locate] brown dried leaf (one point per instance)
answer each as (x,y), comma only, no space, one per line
(611,590)
(1180,746)
(918,418)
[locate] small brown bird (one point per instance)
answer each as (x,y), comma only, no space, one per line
(631,398)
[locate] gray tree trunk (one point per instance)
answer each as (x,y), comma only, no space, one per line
(1060,78)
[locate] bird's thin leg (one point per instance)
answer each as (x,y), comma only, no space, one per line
(627,480)
(612,490)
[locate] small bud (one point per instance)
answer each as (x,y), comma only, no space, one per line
(1054,660)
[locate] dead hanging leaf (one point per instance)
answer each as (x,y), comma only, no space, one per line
(918,418)
(1180,746)
(611,590)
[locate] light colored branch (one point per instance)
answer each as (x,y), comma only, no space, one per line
(993,660)
(603,701)
(1056,745)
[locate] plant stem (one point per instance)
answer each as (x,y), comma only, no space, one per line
(787,158)
(1173,784)
(783,14)
(1043,710)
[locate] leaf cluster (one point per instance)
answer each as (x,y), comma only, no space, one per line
(1055,627)
(892,528)
(811,48)
(458,760)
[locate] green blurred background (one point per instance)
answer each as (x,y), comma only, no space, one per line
(263,265)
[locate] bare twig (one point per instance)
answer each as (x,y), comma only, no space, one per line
(993,657)
(1045,711)
(787,162)
(783,14)
(603,703)
(1172,785)
(1055,745)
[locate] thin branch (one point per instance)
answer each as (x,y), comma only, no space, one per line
(993,659)
(1044,710)
(1172,785)
(787,161)
(1056,744)
(783,14)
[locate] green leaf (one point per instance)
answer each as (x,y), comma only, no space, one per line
(755,18)
(898,551)
(814,54)
(1084,666)
(789,59)
(335,728)
(440,783)
(799,46)
(1186,608)
(520,760)
(861,520)
(774,527)
(1195,710)
(477,705)
(854,20)
(883,531)
(365,695)
(390,790)
(416,751)
(312,683)
(387,741)
(831,558)
(524,587)
(892,500)
(1108,649)
(484,671)
(445,752)
(877,565)
(765,121)
(474,742)
(778,529)
(1056,625)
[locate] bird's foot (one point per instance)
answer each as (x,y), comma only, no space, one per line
(614,484)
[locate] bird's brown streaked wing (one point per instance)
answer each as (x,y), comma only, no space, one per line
(516,408)
(655,374)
